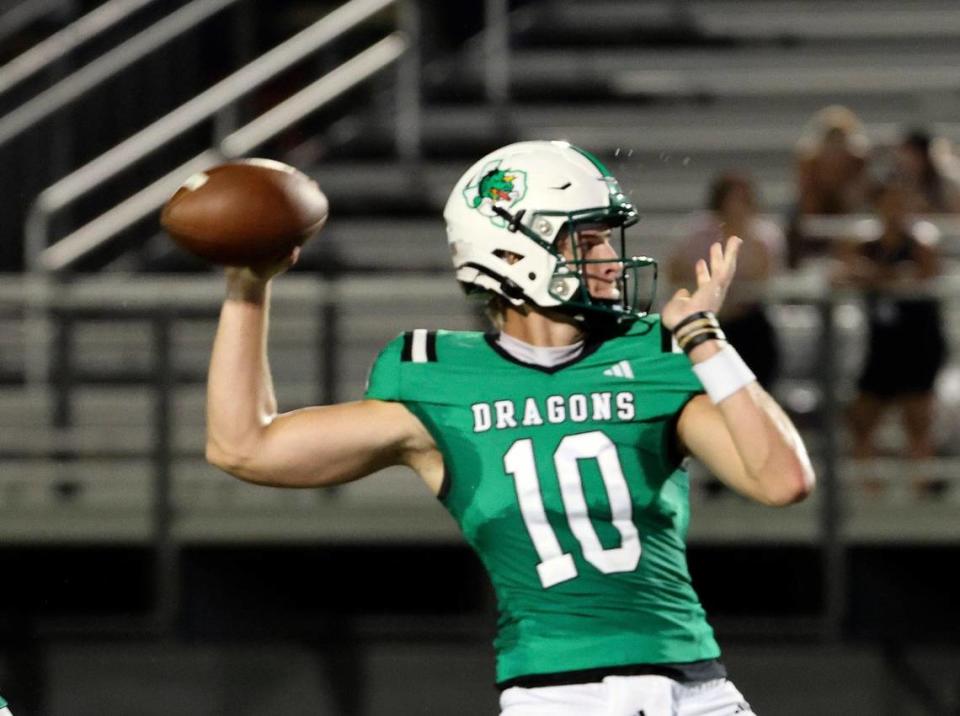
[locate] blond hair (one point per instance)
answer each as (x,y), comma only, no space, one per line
(834,117)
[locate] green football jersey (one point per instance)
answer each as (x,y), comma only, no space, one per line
(566,483)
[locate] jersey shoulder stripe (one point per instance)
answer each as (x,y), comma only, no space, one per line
(419,346)
(411,353)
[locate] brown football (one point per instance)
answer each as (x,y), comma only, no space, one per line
(245,212)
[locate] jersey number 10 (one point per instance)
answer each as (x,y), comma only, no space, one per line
(555,565)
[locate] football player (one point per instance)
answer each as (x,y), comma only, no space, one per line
(556,441)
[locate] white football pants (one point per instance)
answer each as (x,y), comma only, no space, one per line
(627,696)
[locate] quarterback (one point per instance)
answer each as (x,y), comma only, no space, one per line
(556,440)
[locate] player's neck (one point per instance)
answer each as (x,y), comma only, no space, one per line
(539,329)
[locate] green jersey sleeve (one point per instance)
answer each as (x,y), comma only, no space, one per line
(3,702)
(384,380)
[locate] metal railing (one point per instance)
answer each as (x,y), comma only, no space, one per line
(24,13)
(222,95)
(74,86)
(73,247)
(61,43)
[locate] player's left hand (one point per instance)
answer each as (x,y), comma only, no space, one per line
(712,284)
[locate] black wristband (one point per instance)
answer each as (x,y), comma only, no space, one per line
(709,315)
(703,338)
(693,333)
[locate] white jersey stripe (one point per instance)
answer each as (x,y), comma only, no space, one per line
(418,346)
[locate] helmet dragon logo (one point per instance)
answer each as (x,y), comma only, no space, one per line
(494,186)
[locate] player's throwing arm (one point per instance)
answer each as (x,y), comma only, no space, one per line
(737,429)
(310,447)
(255,214)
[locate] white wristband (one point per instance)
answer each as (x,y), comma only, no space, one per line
(723,374)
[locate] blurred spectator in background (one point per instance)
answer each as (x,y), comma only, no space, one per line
(732,211)
(906,346)
(831,174)
(928,169)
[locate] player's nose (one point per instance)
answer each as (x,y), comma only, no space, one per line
(610,266)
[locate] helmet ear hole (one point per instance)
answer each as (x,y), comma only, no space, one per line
(509,256)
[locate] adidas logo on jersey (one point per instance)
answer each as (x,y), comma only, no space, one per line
(620,370)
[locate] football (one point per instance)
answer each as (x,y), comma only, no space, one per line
(245,212)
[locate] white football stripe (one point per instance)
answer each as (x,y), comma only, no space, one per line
(196,181)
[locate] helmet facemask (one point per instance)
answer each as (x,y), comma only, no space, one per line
(637,280)
(636,283)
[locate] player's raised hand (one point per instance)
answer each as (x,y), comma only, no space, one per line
(244,277)
(712,284)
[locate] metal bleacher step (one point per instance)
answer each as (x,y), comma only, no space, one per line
(827,71)
(750,20)
(742,71)
(830,20)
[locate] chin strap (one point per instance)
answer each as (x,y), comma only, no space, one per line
(509,287)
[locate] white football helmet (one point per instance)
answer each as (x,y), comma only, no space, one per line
(506,213)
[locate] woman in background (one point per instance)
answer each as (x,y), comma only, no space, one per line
(906,346)
(831,163)
(927,169)
(732,211)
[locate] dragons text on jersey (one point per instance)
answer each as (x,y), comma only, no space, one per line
(554,409)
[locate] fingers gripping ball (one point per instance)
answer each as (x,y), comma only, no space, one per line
(246,212)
